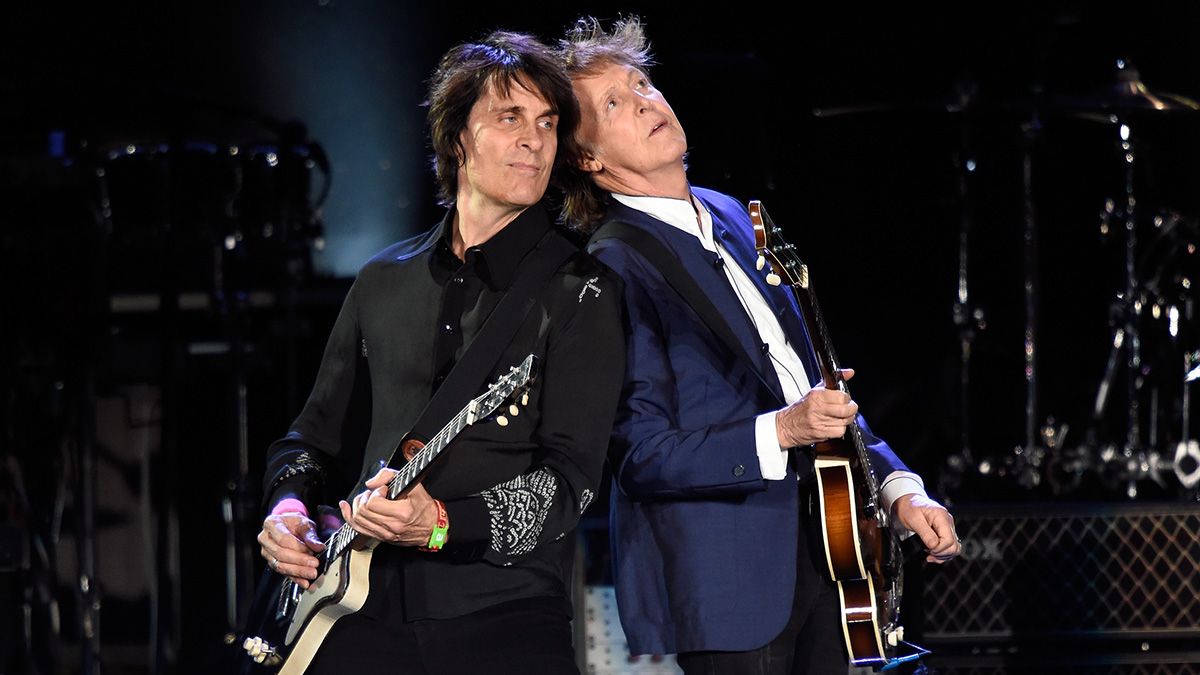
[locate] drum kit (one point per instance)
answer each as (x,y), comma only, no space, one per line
(219,209)
(1138,438)
(190,247)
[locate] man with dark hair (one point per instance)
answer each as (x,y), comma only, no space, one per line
(713,540)
(473,573)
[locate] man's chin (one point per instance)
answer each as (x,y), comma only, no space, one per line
(526,197)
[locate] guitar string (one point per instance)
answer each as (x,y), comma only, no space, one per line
(337,542)
(345,534)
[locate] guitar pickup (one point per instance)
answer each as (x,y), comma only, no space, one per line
(289,598)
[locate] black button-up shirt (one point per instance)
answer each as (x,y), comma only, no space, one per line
(512,492)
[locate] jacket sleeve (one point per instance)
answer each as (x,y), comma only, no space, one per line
(651,455)
(581,380)
(299,464)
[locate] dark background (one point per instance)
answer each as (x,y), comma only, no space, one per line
(872,199)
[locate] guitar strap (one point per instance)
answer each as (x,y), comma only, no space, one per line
(467,375)
(677,278)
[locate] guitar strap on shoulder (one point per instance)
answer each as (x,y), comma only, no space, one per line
(468,374)
(678,279)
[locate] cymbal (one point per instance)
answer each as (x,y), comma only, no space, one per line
(960,99)
(1127,94)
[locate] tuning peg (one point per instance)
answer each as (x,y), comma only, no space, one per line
(502,420)
(260,658)
(760,263)
(514,410)
(525,397)
(248,643)
(774,279)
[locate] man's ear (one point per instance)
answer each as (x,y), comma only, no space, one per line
(460,152)
(588,162)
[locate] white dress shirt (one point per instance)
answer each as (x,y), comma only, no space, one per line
(772,458)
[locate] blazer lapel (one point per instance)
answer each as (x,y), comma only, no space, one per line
(781,300)
(700,265)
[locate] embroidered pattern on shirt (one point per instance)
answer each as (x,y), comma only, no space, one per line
(585,500)
(518,510)
(303,464)
(590,285)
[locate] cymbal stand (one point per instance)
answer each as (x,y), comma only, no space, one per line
(967,318)
(1029,456)
(1126,337)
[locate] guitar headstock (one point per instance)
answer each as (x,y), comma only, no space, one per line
(505,387)
(774,251)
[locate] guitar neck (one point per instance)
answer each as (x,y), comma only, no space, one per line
(827,359)
(345,535)
(828,362)
(786,264)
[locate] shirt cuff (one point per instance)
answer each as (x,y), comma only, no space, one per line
(470,530)
(772,459)
(896,485)
(289,505)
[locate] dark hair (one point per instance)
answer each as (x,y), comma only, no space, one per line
(500,59)
(586,49)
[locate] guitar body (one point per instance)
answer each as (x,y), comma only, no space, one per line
(858,560)
(291,638)
(340,591)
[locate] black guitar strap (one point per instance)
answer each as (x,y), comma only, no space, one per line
(678,278)
(466,378)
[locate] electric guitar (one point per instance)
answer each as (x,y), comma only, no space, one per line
(861,553)
(296,620)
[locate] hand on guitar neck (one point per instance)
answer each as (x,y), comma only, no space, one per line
(288,540)
(407,520)
(931,522)
(819,415)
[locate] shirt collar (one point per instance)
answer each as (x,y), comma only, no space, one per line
(678,213)
(498,258)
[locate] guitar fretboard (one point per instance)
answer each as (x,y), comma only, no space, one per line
(345,535)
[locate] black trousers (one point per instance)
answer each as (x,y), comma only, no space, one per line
(810,644)
(531,635)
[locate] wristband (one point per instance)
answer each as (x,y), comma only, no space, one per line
(437,538)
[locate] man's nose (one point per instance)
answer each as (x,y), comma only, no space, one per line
(532,138)
(645,104)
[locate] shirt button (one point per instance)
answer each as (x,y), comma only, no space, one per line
(739,470)
(457,280)
(765,347)
(448,328)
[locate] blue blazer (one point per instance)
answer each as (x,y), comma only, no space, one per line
(704,548)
